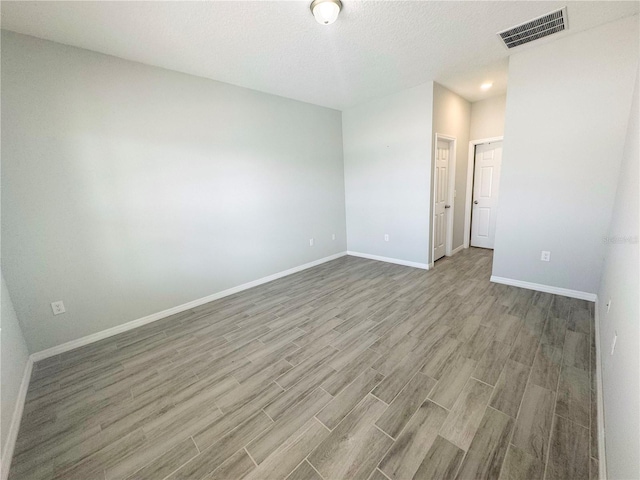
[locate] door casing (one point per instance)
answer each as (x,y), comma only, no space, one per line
(469,189)
(451,182)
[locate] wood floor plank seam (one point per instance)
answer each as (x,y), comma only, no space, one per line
(447,409)
(194,442)
(373,395)
(478,380)
(382,473)
(386,434)
(314,468)
(263,410)
(555,405)
(466,452)
(302,462)
(321,423)
(364,396)
(513,431)
(546,461)
(247,451)
(421,399)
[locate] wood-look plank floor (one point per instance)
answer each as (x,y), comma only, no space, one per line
(352,369)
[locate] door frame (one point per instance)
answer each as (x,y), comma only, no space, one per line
(471,167)
(451,181)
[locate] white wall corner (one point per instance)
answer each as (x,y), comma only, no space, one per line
(9,447)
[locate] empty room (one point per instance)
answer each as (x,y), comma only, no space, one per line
(320,240)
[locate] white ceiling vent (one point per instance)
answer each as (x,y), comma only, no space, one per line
(540,27)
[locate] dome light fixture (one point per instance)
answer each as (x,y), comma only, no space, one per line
(326,11)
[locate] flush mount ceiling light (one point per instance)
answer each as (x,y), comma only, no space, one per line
(486,86)
(326,11)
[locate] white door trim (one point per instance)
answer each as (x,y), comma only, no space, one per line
(469,192)
(452,182)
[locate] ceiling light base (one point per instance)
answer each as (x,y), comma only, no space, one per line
(326,11)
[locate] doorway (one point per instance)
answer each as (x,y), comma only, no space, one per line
(483,190)
(443,189)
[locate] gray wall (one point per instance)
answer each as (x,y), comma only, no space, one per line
(129,189)
(14,360)
(387,155)
(621,371)
(487,118)
(451,117)
(567,111)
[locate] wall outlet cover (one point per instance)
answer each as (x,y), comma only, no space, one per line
(58,307)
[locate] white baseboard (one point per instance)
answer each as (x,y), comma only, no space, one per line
(397,261)
(456,250)
(80,342)
(602,456)
(9,446)
(565,292)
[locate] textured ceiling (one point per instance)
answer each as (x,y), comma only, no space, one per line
(374,49)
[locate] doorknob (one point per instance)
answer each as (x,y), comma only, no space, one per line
(447,206)
(475,201)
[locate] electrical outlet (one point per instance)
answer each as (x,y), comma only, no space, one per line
(311,242)
(386,237)
(58,307)
(608,305)
(333,236)
(613,343)
(545,256)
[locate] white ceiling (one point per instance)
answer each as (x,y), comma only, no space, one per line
(374,49)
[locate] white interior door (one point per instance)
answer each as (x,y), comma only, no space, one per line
(441,195)
(486,187)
